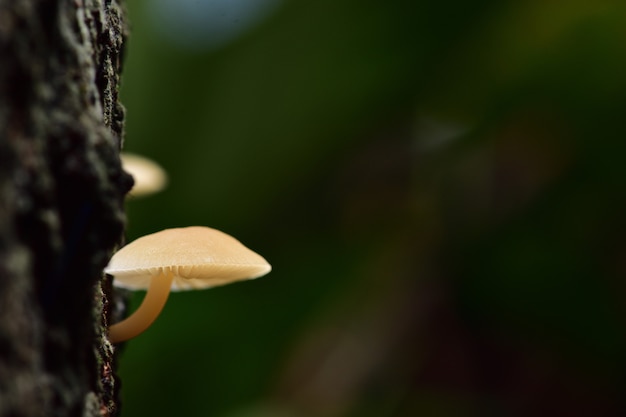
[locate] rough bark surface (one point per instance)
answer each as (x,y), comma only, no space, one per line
(61,203)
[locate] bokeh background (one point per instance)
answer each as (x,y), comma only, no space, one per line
(439,186)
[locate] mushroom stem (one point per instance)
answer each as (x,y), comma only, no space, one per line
(147,312)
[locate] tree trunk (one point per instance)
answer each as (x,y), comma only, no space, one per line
(61,203)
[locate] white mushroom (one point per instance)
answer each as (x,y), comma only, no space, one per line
(149,177)
(186,258)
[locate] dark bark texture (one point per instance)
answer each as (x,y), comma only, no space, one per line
(61,203)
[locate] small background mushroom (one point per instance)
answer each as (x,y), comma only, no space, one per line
(149,176)
(439,187)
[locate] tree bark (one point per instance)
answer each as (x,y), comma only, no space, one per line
(61,203)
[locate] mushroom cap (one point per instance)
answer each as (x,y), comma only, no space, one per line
(149,177)
(198,257)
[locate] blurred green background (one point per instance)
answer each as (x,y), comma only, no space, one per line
(439,186)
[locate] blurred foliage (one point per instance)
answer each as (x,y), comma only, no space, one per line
(439,187)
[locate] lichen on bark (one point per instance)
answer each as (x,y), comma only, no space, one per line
(61,203)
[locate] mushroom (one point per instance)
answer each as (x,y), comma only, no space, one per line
(149,177)
(187,258)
